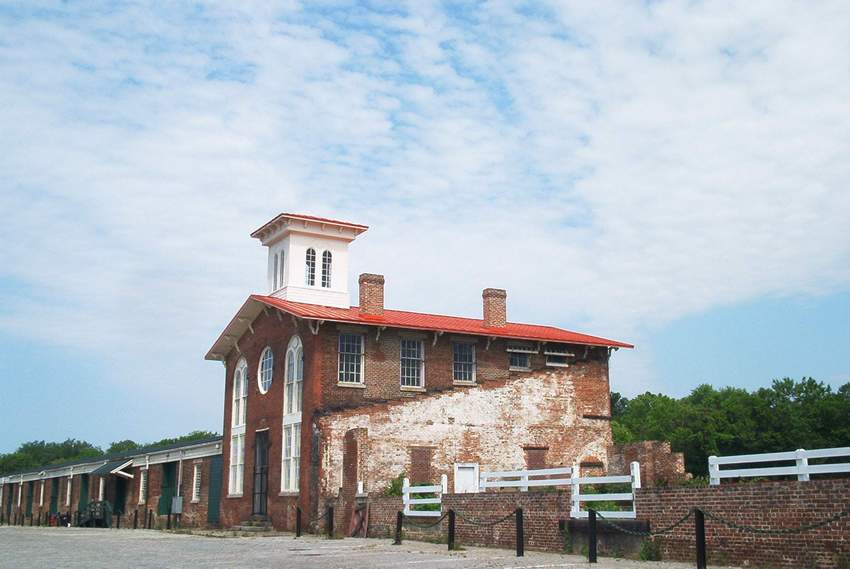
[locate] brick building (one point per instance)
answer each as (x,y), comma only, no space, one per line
(325,401)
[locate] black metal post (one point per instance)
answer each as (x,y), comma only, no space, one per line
(330,521)
(451,530)
(118,521)
(520,534)
(298,521)
(150,518)
(699,529)
(31,517)
(399,519)
(168,521)
(39,518)
(136,519)
(591,536)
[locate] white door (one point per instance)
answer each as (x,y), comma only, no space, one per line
(466,478)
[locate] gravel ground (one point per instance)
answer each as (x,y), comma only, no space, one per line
(81,548)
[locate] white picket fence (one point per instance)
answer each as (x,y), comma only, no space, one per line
(525,479)
(408,491)
(801,467)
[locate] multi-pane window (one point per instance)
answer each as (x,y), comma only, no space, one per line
(291,455)
(557,355)
(196,483)
(237,464)
(274,273)
(264,374)
(350,358)
(326,269)
(310,268)
(412,363)
(237,431)
(464,362)
(68,484)
(143,486)
(519,361)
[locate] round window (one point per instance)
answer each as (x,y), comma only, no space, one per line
(264,376)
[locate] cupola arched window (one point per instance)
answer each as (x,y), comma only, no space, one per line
(310,268)
(327,259)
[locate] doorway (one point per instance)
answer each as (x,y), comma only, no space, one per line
(261,473)
(169,475)
(120,495)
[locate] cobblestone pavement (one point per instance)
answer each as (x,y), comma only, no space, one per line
(80,548)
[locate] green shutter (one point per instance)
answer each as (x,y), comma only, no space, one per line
(54,495)
(214,500)
(167,489)
(84,492)
(30,491)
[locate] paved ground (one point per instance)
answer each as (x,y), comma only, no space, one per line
(80,548)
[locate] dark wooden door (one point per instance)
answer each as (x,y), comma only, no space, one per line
(261,473)
(120,495)
(169,479)
(84,492)
(214,500)
(54,496)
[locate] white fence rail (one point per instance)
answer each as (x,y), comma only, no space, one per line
(800,467)
(565,476)
(408,491)
(578,498)
(523,479)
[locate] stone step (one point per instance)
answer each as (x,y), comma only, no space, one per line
(253,528)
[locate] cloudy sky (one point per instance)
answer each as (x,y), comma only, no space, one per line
(674,174)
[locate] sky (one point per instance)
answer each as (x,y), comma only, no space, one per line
(671,174)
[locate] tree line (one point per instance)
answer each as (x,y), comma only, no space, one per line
(785,416)
(35,454)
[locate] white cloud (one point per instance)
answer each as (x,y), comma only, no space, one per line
(615,167)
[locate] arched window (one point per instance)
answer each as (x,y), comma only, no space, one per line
(326,269)
(264,374)
(310,268)
(291,462)
(237,430)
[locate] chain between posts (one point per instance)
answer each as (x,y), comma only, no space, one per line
(667,529)
(780,531)
(484,524)
(425,526)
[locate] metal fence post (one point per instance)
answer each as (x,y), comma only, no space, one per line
(591,536)
(399,519)
(699,530)
(118,521)
(298,521)
(451,539)
(330,521)
(520,534)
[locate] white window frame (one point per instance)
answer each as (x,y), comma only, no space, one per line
(69,482)
(340,372)
(558,351)
(261,372)
(327,269)
(236,479)
(196,484)
(421,367)
(476,469)
(290,463)
(472,345)
(310,267)
(513,367)
(143,486)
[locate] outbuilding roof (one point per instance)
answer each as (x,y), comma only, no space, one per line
(399,319)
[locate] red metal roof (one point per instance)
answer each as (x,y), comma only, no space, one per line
(420,321)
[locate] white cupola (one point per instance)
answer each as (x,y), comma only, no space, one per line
(308,258)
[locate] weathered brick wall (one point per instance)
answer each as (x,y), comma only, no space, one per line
(492,424)
(769,504)
(659,465)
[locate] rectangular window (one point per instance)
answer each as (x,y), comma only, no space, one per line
(412,363)
(519,361)
(143,486)
(291,466)
(464,362)
(237,464)
(350,358)
(68,484)
(196,483)
(556,355)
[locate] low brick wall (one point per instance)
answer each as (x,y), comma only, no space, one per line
(768,505)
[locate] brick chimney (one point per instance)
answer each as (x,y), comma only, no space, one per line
(495,307)
(371,294)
